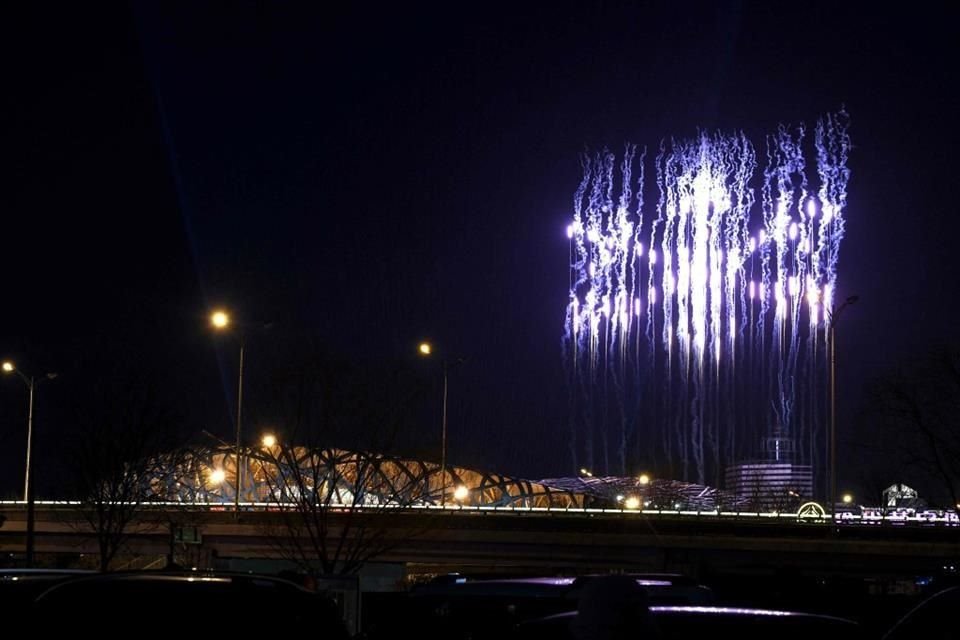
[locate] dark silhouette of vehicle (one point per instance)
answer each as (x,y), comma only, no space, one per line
(19,587)
(661,588)
(459,607)
(933,619)
(187,604)
(679,622)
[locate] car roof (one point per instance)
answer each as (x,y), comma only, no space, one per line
(936,612)
(19,587)
(665,588)
(683,621)
(14,572)
(165,576)
(252,602)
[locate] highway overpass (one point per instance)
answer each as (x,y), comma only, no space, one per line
(555,541)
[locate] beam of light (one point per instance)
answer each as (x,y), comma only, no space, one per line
(726,355)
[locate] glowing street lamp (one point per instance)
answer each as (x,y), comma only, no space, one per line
(426,349)
(832,318)
(31,382)
(8,368)
(644,479)
(461,493)
(220,320)
(847,498)
(269,440)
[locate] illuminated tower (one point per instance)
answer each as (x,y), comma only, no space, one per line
(775,482)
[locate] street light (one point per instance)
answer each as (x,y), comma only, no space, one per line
(426,349)
(220,320)
(31,382)
(833,317)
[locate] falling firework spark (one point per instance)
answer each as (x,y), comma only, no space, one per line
(689,339)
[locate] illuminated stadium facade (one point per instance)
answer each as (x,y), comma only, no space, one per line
(341,478)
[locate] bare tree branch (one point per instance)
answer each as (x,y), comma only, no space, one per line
(119,454)
(912,417)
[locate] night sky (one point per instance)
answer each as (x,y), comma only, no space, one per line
(369,177)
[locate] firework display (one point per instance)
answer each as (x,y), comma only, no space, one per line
(695,331)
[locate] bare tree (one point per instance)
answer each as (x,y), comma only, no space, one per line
(911,418)
(330,479)
(330,505)
(120,456)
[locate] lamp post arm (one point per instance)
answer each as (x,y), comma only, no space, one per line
(443,442)
(833,420)
(834,316)
(27,486)
(239,474)
(26,481)
(28,489)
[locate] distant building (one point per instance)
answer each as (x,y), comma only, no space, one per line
(900,496)
(774,483)
(770,486)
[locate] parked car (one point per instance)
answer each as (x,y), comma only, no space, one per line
(615,608)
(673,622)
(19,587)
(459,607)
(125,604)
(933,619)
(661,588)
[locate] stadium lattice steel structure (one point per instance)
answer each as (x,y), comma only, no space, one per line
(338,477)
(342,477)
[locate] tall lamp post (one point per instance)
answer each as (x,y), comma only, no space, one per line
(426,350)
(834,316)
(31,382)
(221,322)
